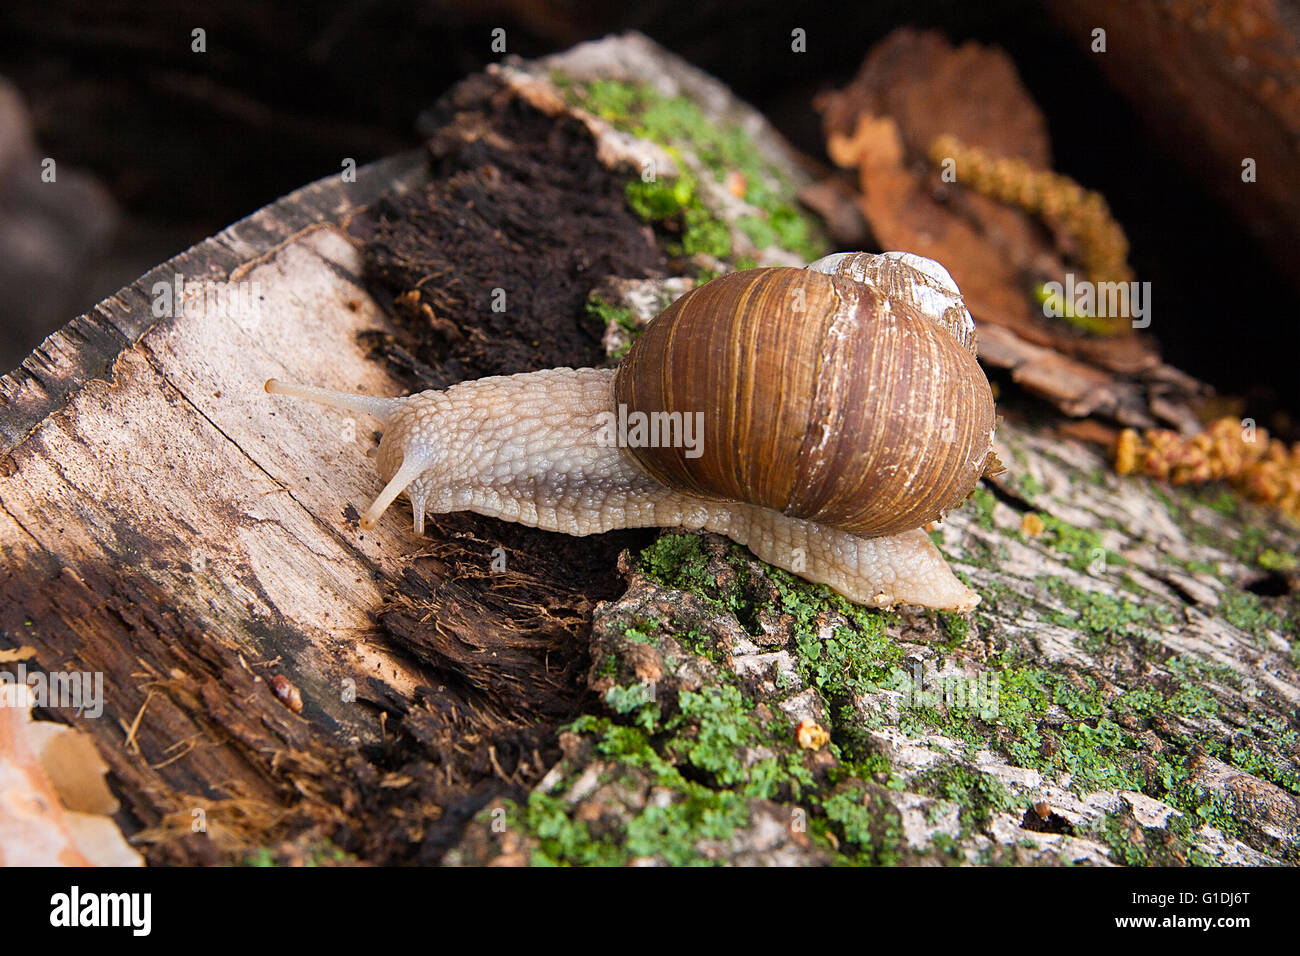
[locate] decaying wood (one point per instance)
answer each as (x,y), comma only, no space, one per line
(155,529)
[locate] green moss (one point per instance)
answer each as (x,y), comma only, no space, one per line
(1252,757)
(706,739)
(867,826)
(1090,746)
(956,627)
(1101,614)
(1271,560)
(608,666)
(1131,844)
(604,313)
(1248,543)
(1082,547)
(984,503)
(635,700)
(1098,753)
(563,839)
(660,198)
(853,659)
(1030,486)
(321,853)
(1100,756)
(1246,611)
(701,646)
(1094,750)
(714,748)
(680,561)
(1058,305)
(642,633)
(675,202)
(1207,807)
(1243,536)
(850,661)
(1142,700)
(1192,700)
(1194,567)
(677,124)
(1221,500)
(671,832)
(759,231)
(714,728)
(978,795)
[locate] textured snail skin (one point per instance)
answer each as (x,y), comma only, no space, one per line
(529,448)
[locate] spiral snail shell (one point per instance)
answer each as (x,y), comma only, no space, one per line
(840,408)
(841,403)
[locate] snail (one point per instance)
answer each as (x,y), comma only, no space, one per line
(819,416)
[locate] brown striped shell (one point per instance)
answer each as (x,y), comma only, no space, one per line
(851,398)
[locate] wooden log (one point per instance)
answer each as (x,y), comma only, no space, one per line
(147,527)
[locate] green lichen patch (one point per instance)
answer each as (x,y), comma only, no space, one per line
(1081,547)
(627,799)
(1248,612)
(978,795)
(1073,727)
(864,826)
(1132,844)
(300,853)
(723,152)
(1271,560)
(983,503)
(1103,615)
(605,314)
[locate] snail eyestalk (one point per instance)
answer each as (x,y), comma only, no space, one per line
(413,465)
(375,406)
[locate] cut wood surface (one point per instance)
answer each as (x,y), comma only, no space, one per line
(151,487)
(152,445)
(165,522)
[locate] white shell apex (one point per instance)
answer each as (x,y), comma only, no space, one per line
(830,264)
(926,284)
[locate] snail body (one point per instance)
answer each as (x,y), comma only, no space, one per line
(837,409)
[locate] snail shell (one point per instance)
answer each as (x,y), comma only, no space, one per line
(846,393)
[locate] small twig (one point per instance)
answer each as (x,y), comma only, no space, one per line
(130,742)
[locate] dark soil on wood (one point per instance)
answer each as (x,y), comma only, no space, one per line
(518,203)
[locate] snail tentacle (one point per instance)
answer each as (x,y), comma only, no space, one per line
(375,406)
